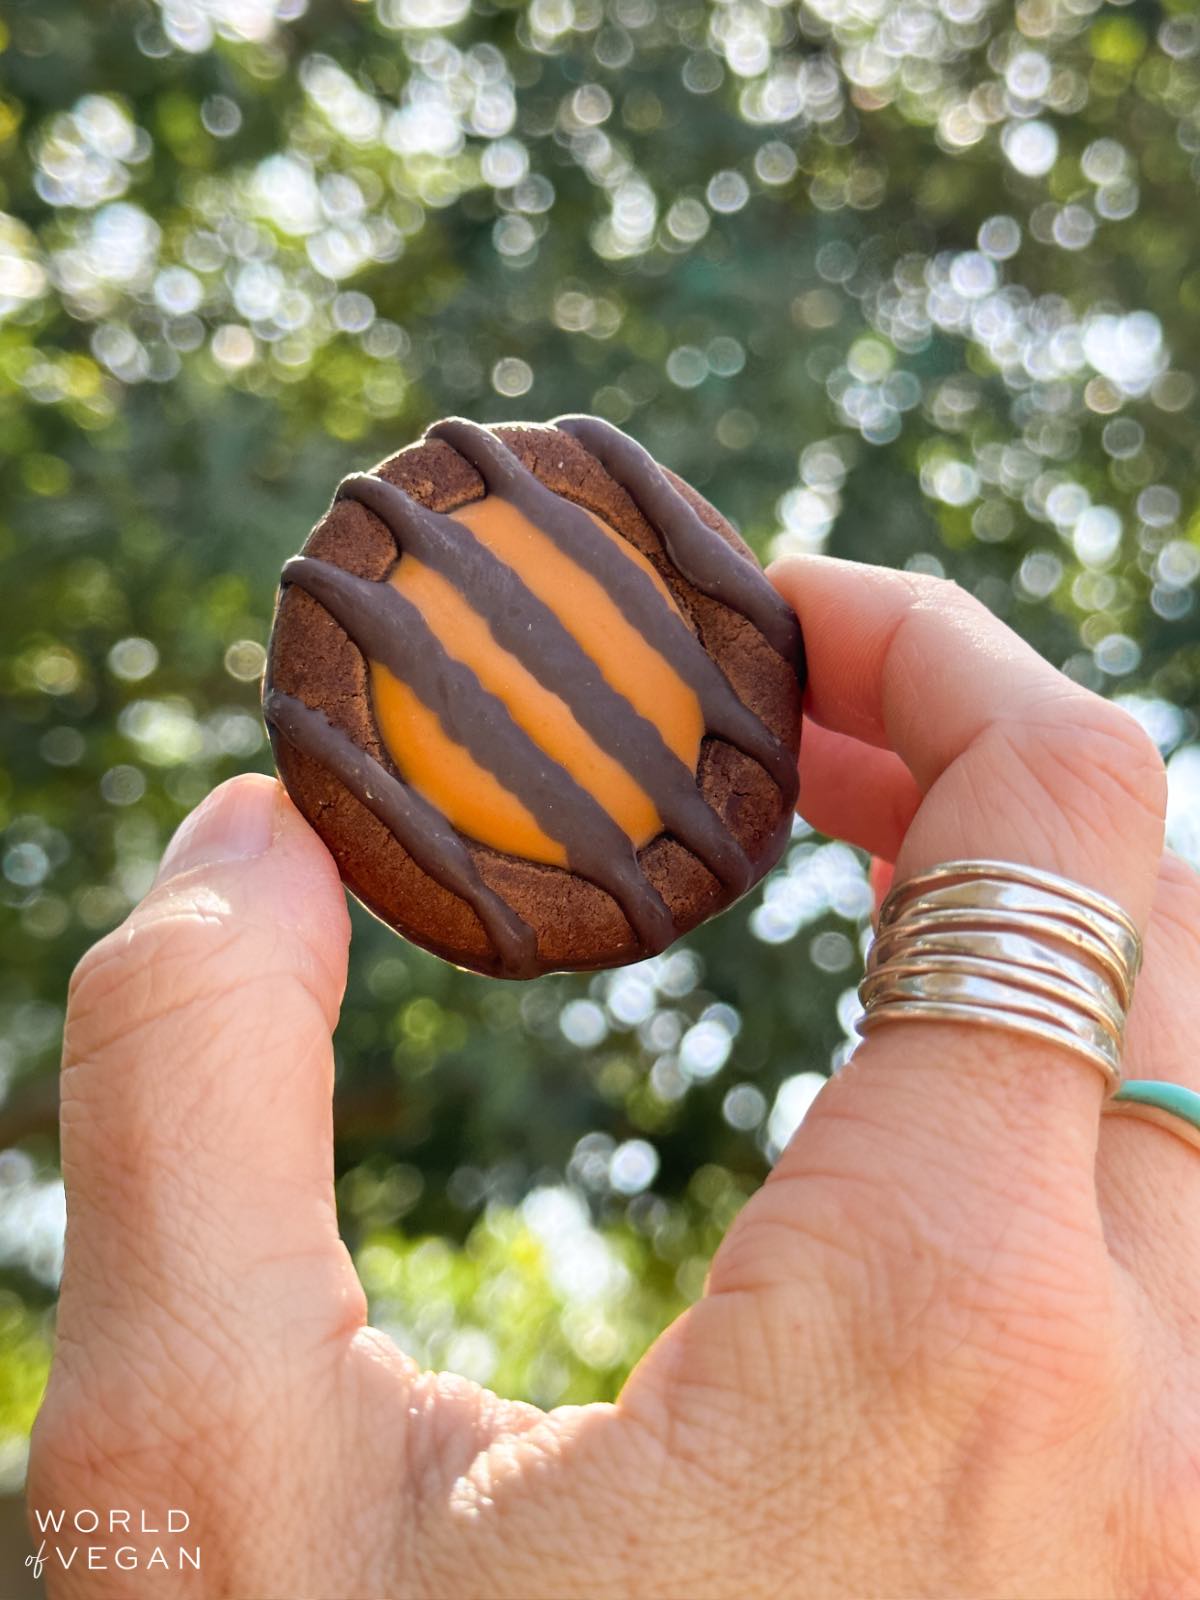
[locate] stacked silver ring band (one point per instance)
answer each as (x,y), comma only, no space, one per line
(1008,946)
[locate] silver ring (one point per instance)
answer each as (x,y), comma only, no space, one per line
(1006,946)
(984,886)
(1030,982)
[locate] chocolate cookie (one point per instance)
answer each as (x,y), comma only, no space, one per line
(536,696)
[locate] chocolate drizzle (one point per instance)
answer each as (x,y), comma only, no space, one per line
(702,556)
(530,631)
(420,827)
(389,629)
(572,529)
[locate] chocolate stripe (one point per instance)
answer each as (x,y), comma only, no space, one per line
(573,530)
(420,827)
(389,629)
(703,557)
(528,628)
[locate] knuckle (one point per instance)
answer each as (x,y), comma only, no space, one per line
(139,974)
(153,968)
(1133,752)
(1086,744)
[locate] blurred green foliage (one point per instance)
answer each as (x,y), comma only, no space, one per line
(914,281)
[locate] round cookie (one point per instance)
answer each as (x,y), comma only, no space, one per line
(536,696)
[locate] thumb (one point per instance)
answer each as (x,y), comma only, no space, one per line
(197,1072)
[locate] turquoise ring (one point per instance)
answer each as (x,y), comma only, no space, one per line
(1168,1105)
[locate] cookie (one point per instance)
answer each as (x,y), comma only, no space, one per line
(536,696)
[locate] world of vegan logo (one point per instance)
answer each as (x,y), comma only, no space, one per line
(125,1540)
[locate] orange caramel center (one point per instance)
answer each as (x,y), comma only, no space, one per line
(473,800)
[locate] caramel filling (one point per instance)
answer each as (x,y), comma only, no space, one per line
(472,799)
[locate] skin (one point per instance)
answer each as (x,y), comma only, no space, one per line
(947,1350)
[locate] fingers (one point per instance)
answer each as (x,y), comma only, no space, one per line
(1164,1021)
(915,665)
(196,1123)
(1013,762)
(1149,1178)
(855,791)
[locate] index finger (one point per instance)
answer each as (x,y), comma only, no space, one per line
(916,665)
(1015,762)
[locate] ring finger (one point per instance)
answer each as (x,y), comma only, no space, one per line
(1148,1177)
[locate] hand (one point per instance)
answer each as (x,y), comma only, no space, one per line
(948,1349)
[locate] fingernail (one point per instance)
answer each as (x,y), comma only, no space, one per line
(235,823)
